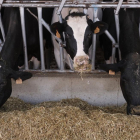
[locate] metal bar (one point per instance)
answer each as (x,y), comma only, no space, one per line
(61,58)
(85,11)
(114,44)
(78,5)
(24,37)
(94,39)
(2,29)
(110,37)
(71,63)
(39,9)
(48,28)
(113,54)
(118,32)
(118,7)
(117,26)
(61,7)
(93,51)
(62,64)
(67,71)
(60,18)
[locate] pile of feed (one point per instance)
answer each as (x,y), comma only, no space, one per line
(71,119)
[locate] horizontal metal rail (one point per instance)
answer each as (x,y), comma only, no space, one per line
(68,71)
(69,4)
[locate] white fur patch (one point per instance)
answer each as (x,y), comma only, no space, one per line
(78,25)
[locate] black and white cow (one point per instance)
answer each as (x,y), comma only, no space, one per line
(130,63)
(78,29)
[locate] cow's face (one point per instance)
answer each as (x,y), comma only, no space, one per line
(78,30)
(6,73)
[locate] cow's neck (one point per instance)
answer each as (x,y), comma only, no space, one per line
(129,35)
(13,43)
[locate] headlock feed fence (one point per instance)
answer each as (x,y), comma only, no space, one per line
(60,4)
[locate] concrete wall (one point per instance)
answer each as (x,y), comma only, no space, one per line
(96,89)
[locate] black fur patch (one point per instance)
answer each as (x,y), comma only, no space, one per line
(75,14)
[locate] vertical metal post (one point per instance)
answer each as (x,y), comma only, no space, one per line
(39,9)
(113,54)
(118,32)
(61,58)
(71,63)
(94,40)
(85,11)
(2,29)
(117,27)
(24,37)
(61,49)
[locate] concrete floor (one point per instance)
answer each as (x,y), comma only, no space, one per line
(97,89)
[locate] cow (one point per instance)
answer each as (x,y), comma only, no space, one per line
(12,52)
(129,66)
(78,29)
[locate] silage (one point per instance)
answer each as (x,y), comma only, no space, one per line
(82,69)
(71,119)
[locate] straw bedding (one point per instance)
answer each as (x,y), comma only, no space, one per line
(71,119)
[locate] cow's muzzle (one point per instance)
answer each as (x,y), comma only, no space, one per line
(81,63)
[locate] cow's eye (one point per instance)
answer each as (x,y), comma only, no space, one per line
(89,35)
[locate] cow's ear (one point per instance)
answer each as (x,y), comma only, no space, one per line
(57,28)
(22,75)
(114,67)
(98,27)
(107,67)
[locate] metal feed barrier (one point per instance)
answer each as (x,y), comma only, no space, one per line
(75,4)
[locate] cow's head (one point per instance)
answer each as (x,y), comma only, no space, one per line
(6,73)
(78,31)
(129,80)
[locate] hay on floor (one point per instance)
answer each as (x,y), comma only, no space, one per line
(71,119)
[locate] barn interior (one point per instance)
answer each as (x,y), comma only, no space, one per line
(59,103)
(48,77)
